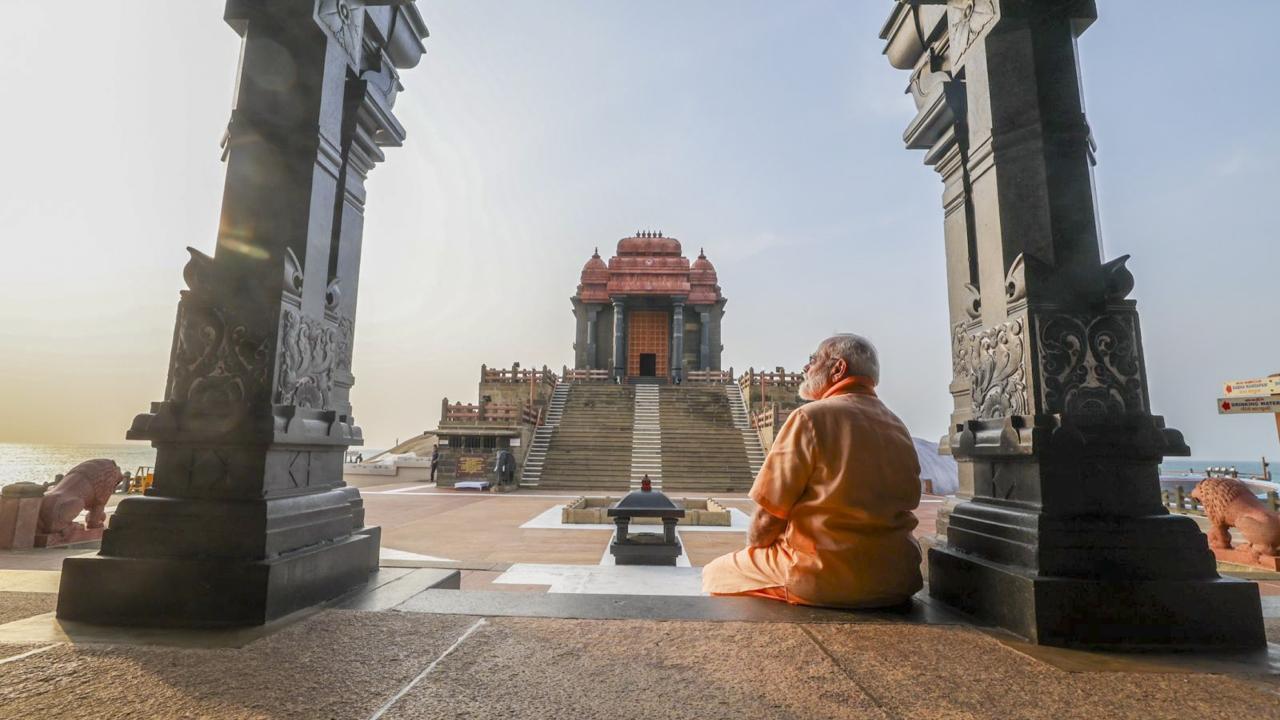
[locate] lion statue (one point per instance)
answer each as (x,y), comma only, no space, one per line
(86,486)
(1230,503)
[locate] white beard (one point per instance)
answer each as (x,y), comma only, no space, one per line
(813,387)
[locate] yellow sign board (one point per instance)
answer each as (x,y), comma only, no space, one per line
(1235,405)
(1252,388)
(470,465)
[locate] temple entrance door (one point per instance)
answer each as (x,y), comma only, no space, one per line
(648,365)
(648,334)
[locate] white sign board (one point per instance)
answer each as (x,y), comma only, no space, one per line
(1256,386)
(1234,405)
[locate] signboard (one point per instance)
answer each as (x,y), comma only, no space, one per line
(515,442)
(1234,405)
(1256,386)
(473,465)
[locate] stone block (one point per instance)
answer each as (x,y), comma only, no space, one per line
(19,514)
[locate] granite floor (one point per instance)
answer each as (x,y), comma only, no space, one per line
(399,650)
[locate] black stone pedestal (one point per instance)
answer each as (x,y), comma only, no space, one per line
(644,549)
(185,592)
(1130,614)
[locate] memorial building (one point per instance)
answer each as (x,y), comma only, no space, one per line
(648,315)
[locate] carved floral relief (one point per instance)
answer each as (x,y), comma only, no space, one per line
(1090,364)
(344,19)
(217,363)
(992,360)
(966,19)
(307,359)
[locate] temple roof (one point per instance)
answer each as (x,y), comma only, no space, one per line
(649,264)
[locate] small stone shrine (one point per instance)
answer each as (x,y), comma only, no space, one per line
(630,548)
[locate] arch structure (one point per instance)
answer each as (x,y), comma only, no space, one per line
(1062,537)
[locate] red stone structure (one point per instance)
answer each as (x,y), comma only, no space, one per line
(649,313)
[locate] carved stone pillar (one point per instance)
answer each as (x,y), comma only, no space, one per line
(677,338)
(704,340)
(1065,540)
(619,340)
(592,311)
(249,518)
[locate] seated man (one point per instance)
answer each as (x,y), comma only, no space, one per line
(835,496)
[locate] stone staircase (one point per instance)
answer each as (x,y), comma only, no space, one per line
(589,448)
(646,438)
(742,421)
(534,461)
(704,449)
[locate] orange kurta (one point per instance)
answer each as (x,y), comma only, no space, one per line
(843,472)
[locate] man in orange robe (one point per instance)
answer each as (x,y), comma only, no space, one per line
(835,495)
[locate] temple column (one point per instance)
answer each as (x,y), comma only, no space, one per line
(619,340)
(249,518)
(1065,540)
(704,340)
(677,338)
(592,360)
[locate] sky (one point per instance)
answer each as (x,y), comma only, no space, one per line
(768,133)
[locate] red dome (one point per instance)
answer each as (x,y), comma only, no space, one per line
(702,263)
(595,265)
(649,244)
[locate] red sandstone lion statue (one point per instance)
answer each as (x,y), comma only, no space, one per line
(86,486)
(1229,503)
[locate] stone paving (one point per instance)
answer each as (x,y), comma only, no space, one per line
(444,653)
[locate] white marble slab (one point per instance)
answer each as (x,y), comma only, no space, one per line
(386,553)
(607,579)
(550,520)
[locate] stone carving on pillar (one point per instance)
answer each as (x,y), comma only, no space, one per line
(249,518)
(993,362)
(1064,540)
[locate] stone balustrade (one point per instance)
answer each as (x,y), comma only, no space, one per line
(584,375)
(518,375)
(499,413)
(713,377)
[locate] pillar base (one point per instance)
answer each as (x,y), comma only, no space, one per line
(183,592)
(1209,614)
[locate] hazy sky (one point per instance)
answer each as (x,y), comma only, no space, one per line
(767,132)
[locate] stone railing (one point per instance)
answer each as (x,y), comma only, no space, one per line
(778,377)
(517,375)
(477,413)
(713,377)
(770,418)
(584,375)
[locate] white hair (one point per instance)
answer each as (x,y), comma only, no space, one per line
(858,354)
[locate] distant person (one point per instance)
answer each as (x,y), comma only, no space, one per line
(435,462)
(835,495)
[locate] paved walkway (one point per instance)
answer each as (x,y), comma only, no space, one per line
(400,650)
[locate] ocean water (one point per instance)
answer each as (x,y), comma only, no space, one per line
(1198,465)
(39,463)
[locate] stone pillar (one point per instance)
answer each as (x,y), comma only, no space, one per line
(704,340)
(249,518)
(677,339)
(592,360)
(619,340)
(1065,540)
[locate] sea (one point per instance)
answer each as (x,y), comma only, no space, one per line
(40,463)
